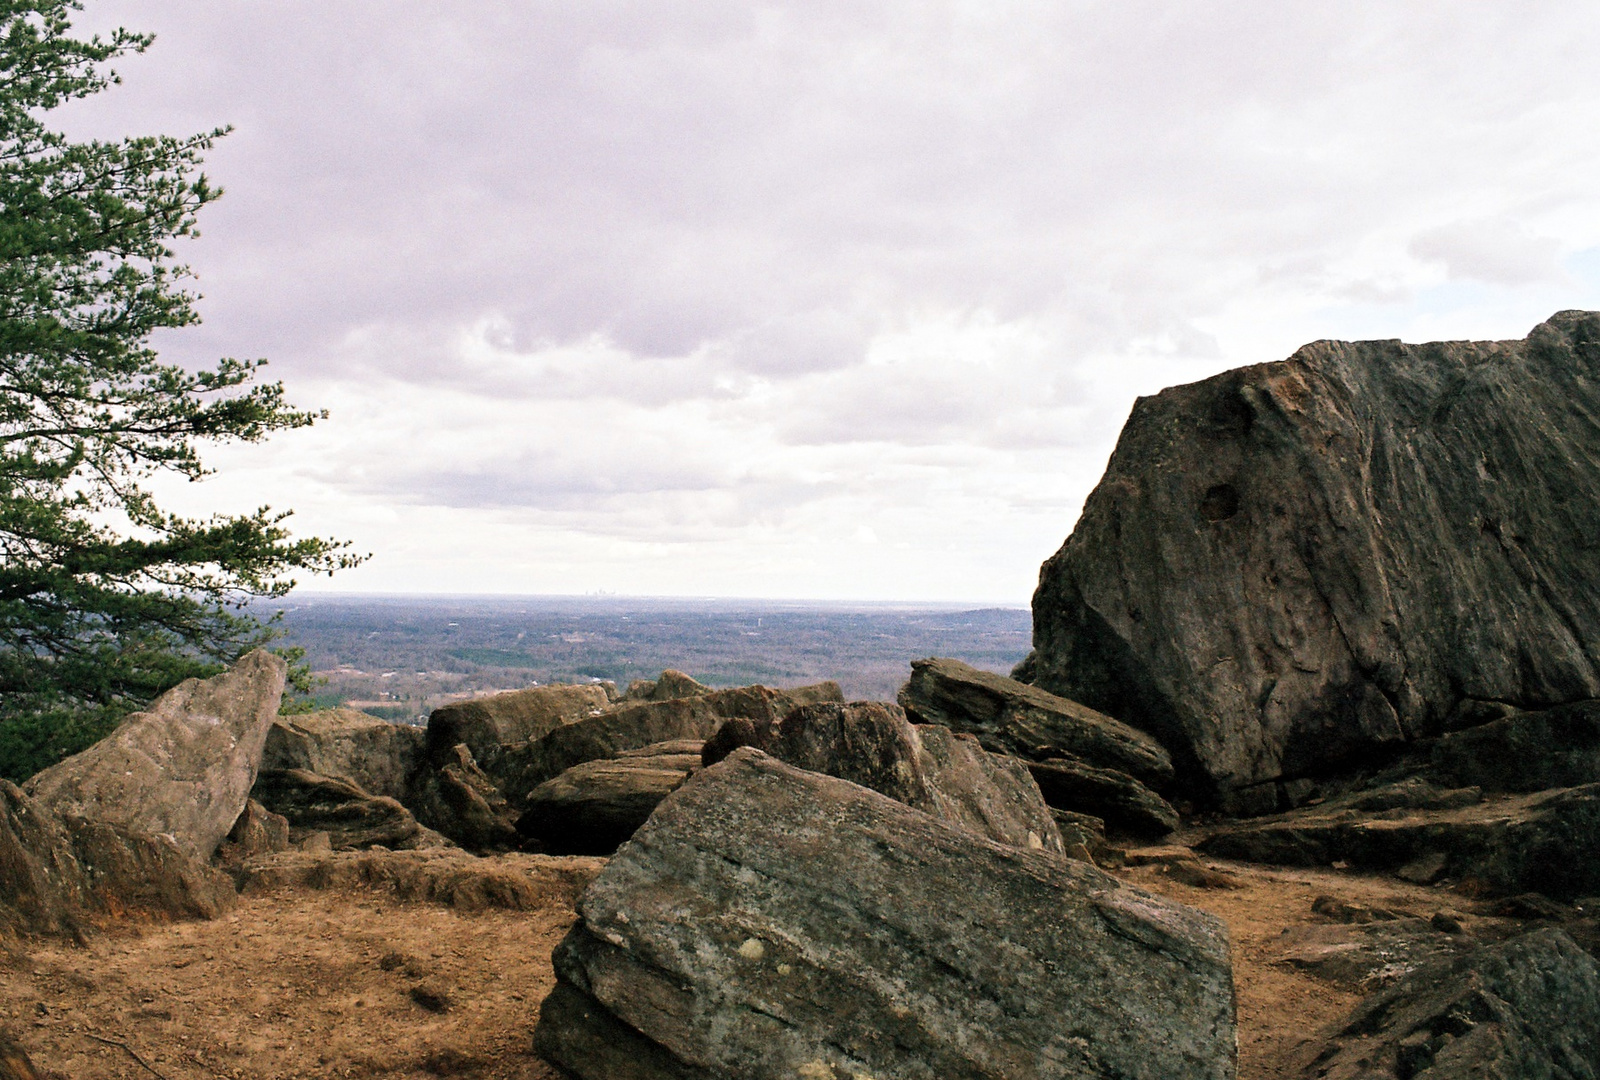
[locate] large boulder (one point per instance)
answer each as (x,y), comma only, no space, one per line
(773,922)
(1011,717)
(1525,1009)
(183,768)
(1116,798)
(515,717)
(378,756)
(1296,565)
(461,802)
(592,808)
(1547,841)
(871,743)
(636,724)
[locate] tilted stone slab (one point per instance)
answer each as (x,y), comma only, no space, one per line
(1011,717)
(772,922)
(1116,798)
(183,768)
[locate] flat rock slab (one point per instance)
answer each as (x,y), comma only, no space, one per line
(1525,751)
(771,922)
(1366,957)
(1298,563)
(1524,1009)
(1011,717)
(592,808)
(1547,842)
(183,768)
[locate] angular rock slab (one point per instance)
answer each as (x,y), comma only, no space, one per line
(378,756)
(1547,842)
(1306,561)
(771,922)
(1525,751)
(1011,717)
(928,767)
(1112,796)
(183,768)
(592,808)
(1525,1009)
(352,818)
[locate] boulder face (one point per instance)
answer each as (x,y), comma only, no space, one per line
(1292,566)
(592,808)
(772,922)
(183,768)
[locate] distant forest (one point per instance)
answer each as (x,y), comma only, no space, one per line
(403,656)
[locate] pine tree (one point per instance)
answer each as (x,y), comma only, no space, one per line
(106,600)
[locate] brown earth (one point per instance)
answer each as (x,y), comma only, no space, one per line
(302,981)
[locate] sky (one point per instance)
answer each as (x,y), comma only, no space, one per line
(820,300)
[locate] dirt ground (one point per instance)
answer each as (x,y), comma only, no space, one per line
(352,980)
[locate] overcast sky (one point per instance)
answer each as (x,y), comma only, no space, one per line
(822,299)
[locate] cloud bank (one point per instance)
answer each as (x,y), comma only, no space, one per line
(824,299)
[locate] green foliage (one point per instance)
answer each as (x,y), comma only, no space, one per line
(105,599)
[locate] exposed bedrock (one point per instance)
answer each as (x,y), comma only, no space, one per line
(1296,565)
(774,922)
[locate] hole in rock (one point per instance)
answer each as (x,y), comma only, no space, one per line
(1220,502)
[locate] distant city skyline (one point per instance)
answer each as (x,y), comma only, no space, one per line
(821,301)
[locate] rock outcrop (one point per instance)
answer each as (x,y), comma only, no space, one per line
(1301,564)
(773,922)
(1528,1007)
(592,808)
(929,767)
(183,768)
(462,802)
(1116,798)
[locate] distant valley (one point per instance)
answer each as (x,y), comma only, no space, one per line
(401,657)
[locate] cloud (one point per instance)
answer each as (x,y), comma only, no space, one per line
(749,277)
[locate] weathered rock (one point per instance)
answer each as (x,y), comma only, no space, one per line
(929,767)
(1117,798)
(632,725)
(1525,751)
(1545,842)
(671,684)
(774,922)
(1524,1009)
(1011,717)
(460,801)
(380,757)
(592,808)
(485,723)
(183,768)
(42,887)
(352,817)
(1302,563)
(257,832)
